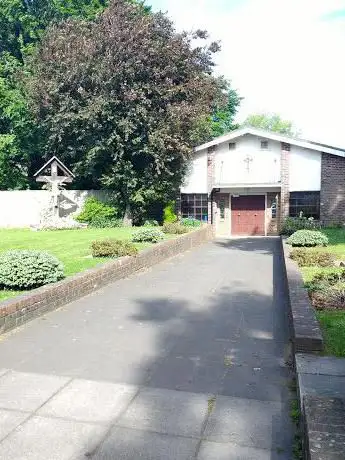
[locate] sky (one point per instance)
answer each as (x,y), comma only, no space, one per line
(283,56)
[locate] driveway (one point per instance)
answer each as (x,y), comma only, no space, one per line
(185,360)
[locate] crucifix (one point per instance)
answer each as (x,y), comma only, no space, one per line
(248,160)
(59,175)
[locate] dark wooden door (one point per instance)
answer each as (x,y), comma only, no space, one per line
(248,215)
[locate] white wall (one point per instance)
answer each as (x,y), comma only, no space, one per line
(305,169)
(23,208)
(264,167)
(196,180)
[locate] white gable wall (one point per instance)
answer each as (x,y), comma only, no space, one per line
(196,180)
(231,167)
(305,170)
(264,167)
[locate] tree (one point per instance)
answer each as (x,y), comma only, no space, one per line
(22,24)
(222,119)
(121,101)
(271,122)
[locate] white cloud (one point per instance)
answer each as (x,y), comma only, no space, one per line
(281,55)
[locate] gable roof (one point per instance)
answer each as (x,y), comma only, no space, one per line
(62,166)
(275,137)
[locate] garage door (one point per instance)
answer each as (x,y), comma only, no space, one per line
(248,215)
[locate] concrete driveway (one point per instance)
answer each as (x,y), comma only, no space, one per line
(183,361)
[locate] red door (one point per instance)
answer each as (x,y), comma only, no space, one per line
(248,215)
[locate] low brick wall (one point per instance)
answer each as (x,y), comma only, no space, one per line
(17,311)
(307,335)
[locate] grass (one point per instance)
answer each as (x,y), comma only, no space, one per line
(72,247)
(336,237)
(333,327)
(332,321)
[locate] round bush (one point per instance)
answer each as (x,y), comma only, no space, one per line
(151,235)
(190,222)
(113,248)
(309,257)
(28,269)
(307,238)
(174,228)
(105,222)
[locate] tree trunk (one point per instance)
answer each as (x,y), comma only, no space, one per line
(127,218)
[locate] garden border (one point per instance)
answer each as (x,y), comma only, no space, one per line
(18,310)
(306,330)
(306,338)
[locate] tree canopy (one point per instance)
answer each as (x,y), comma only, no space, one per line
(122,100)
(22,24)
(271,122)
(222,119)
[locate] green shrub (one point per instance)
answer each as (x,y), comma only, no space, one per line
(152,235)
(292,224)
(307,258)
(169,212)
(174,228)
(23,269)
(331,276)
(151,223)
(307,238)
(105,222)
(95,209)
(113,248)
(190,222)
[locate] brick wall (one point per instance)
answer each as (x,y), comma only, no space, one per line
(285,181)
(306,330)
(17,311)
(272,224)
(332,197)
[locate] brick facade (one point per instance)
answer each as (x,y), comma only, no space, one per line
(273,223)
(285,181)
(332,197)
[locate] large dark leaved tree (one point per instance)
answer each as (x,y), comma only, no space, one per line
(123,99)
(22,24)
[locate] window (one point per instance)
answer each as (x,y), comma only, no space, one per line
(307,203)
(222,209)
(264,145)
(274,208)
(232,145)
(194,205)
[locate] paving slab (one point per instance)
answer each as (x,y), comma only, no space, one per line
(260,383)
(89,401)
(325,365)
(188,374)
(46,438)
(210,321)
(260,424)
(127,444)
(229,451)
(321,385)
(27,392)
(167,411)
(9,420)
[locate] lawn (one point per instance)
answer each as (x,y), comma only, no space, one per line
(332,321)
(72,247)
(336,246)
(333,327)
